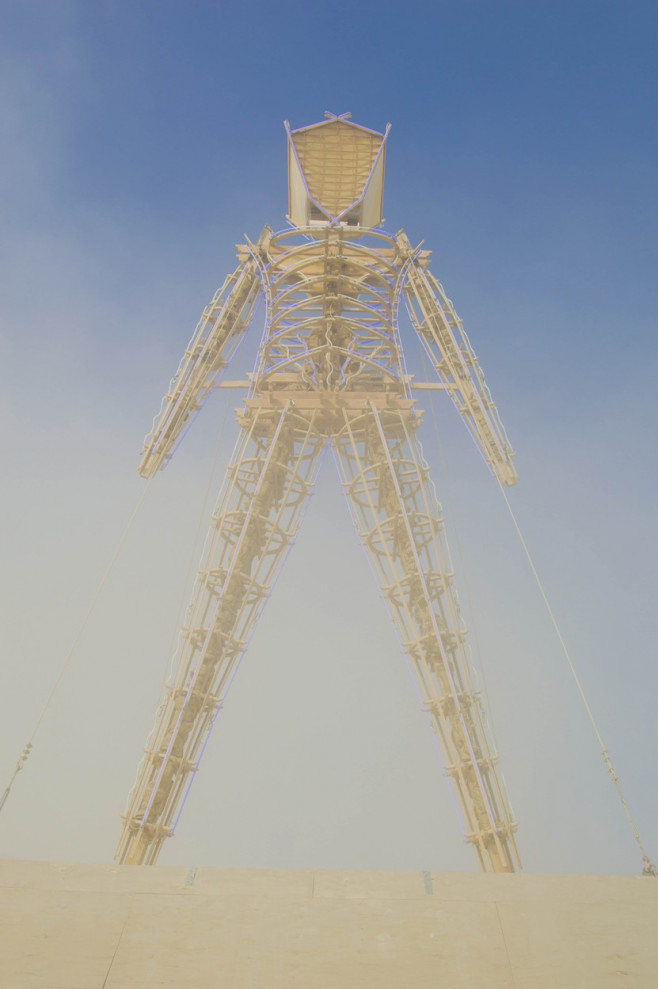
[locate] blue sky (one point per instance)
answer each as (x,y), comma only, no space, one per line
(140,141)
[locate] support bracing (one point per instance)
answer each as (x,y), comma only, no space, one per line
(330,369)
(399,522)
(253,524)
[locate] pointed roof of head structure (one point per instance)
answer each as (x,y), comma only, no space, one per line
(336,173)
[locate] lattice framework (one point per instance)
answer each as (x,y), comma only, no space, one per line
(330,370)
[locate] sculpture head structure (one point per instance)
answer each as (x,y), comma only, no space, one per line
(336,173)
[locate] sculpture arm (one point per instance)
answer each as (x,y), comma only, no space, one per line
(444,338)
(215,338)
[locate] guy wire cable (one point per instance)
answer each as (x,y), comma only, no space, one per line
(69,656)
(649,868)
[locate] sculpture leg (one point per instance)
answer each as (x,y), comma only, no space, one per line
(253,524)
(398,519)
